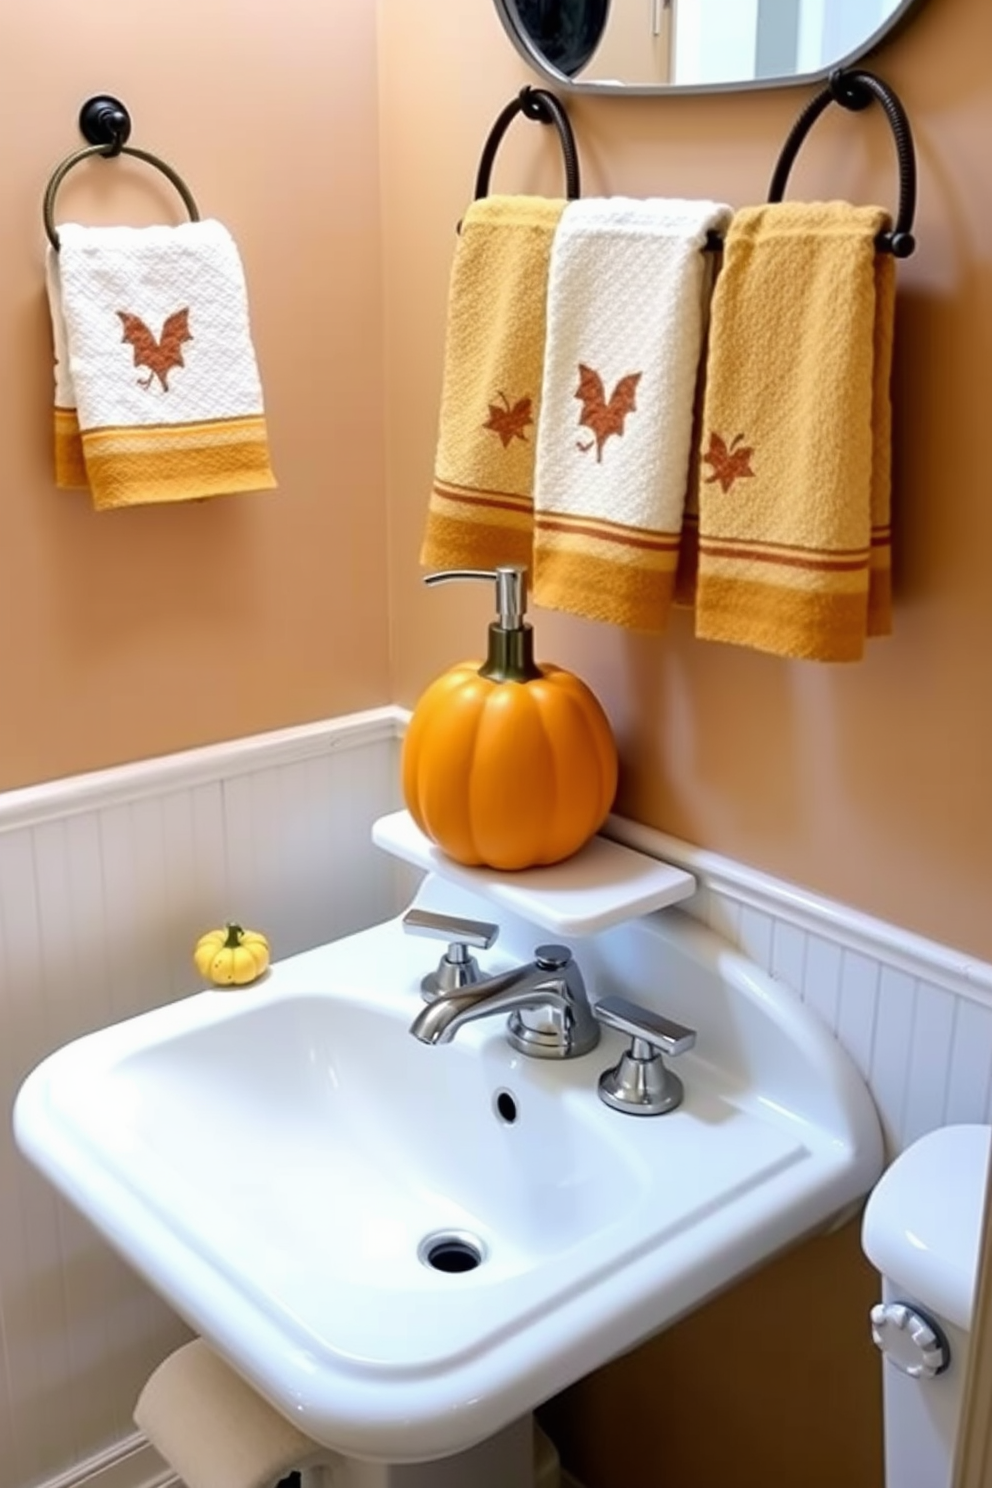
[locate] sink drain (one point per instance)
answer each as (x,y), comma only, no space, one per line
(451,1251)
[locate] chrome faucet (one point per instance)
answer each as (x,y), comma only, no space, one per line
(546,998)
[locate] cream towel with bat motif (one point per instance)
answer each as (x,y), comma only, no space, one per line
(157,393)
(628,291)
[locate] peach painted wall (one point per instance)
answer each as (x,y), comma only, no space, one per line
(133,633)
(871,782)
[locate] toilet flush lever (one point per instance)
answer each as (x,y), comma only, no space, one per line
(457,968)
(642,1084)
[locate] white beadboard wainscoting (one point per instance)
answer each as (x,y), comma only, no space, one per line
(915,1016)
(107,879)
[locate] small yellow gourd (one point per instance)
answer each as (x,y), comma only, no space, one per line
(231,956)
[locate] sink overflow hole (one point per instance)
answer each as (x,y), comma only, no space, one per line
(451,1252)
(506,1107)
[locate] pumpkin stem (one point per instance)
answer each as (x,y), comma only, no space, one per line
(235,935)
(511,655)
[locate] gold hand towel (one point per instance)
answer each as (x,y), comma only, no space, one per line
(481,504)
(794,523)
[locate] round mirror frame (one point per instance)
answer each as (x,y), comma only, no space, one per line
(510,17)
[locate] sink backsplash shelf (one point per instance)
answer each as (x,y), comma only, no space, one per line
(602,885)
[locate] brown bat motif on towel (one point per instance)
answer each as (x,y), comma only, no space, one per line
(601,416)
(158,356)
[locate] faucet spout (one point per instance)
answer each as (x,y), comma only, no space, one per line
(552,983)
(441,1019)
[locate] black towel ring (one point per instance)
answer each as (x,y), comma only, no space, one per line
(105,122)
(539,104)
(855,90)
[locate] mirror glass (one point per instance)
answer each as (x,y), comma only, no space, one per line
(653,46)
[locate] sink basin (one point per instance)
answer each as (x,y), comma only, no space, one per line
(405,1248)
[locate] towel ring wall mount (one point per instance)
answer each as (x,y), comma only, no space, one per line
(546,108)
(855,89)
(539,104)
(106,124)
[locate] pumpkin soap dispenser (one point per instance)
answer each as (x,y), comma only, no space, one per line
(508,765)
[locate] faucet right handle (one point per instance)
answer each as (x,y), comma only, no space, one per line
(457,968)
(641,1084)
(663,1034)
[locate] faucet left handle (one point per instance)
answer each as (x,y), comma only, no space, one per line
(457,968)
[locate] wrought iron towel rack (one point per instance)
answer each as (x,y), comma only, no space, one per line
(854,89)
(851,88)
(539,104)
(106,123)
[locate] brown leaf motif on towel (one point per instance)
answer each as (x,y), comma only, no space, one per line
(509,423)
(604,416)
(730,462)
(158,356)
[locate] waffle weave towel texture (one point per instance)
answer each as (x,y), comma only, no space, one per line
(157,392)
(628,295)
(481,503)
(794,470)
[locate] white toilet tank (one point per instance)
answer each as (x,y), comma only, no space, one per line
(921,1231)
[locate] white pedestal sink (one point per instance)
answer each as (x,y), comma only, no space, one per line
(504,1460)
(278,1162)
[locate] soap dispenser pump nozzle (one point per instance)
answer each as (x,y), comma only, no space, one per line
(511,639)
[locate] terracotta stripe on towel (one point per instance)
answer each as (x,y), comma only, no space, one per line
(749,553)
(606,532)
(464,493)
